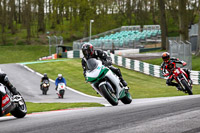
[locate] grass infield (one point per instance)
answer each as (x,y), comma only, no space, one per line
(141,85)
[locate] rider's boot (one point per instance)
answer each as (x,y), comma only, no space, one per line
(124,83)
(178,87)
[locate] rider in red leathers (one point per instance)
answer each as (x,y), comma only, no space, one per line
(169,64)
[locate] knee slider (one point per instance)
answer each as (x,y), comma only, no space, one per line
(168,82)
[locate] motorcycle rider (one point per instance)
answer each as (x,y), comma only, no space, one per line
(169,64)
(89,52)
(4,80)
(60,79)
(45,77)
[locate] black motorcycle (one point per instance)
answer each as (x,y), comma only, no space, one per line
(17,106)
(45,87)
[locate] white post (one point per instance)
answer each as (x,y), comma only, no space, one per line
(56,44)
(91,21)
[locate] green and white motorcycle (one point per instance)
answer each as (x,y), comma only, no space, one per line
(106,83)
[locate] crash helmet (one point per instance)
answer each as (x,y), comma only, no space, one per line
(165,56)
(45,75)
(88,50)
(60,76)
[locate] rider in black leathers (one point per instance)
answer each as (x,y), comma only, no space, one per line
(89,52)
(4,80)
(45,77)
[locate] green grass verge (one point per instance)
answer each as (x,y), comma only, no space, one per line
(41,107)
(142,86)
(157,61)
(22,53)
(195,62)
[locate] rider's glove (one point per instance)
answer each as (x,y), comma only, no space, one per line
(184,63)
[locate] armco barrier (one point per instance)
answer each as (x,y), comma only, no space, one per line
(136,65)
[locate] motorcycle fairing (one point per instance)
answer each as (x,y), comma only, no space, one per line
(6,103)
(97,74)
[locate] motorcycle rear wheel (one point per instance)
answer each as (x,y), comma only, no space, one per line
(61,93)
(127,99)
(187,87)
(111,98)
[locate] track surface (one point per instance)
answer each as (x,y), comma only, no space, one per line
(180,115)
(28,83)
(156,115)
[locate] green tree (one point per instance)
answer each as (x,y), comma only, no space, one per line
(41,23)
(28,20)
(11,16)
(163,24)
(198,39)
(183,20)
(3,20)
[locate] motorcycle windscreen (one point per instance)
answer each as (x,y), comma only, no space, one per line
(46,81)
(92,64)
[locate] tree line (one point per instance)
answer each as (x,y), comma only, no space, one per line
(30,19)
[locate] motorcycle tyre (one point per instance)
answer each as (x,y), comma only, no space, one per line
(187,87)
(44,91)
(62,92)
(113,101)
(18,113)
(127,99)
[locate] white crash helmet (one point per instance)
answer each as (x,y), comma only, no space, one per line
(59,76)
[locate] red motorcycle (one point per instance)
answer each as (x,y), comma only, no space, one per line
(181,78)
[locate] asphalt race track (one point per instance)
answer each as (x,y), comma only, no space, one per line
(156,115)
(28,83)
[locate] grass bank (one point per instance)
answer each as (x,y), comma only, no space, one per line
(22,53)
(42,107)
(142,86)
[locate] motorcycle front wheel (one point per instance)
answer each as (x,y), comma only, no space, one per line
(110,96)
(187,87)
(44,91)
